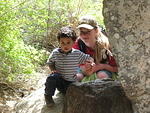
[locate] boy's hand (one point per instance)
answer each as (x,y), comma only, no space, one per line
(87,65)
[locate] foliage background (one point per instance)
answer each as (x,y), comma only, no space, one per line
(28,29)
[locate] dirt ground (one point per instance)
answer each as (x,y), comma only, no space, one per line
(11,93)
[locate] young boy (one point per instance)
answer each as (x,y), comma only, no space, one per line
(63,63)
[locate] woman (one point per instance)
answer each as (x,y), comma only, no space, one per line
(93,42)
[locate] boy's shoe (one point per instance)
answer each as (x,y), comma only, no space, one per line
(49,101)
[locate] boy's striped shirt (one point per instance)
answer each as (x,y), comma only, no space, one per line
(67,64)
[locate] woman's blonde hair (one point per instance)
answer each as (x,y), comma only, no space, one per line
(102,44)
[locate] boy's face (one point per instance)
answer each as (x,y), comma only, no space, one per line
(66,44)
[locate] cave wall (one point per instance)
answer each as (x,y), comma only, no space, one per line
(128,27)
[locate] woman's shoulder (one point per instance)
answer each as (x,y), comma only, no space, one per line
(77,52)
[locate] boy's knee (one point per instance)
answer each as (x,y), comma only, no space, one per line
(52,79)
(79,76)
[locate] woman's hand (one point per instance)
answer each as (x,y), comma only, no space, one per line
(97,67)
(87,67)
(105,67)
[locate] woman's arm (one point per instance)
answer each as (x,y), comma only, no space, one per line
(105,67)
(111,66)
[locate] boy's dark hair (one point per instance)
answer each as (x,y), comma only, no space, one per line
(67,32)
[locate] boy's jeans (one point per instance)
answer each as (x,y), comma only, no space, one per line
(54,81)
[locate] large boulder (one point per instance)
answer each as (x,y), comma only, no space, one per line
(97,97)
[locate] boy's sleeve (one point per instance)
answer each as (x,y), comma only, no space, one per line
(84,57)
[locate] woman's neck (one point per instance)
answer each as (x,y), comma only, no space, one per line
(90,44)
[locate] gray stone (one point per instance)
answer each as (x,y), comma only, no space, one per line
(35,103)
(97,97)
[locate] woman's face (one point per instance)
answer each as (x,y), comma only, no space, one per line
(88,35)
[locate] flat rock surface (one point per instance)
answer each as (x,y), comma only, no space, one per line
(35,103)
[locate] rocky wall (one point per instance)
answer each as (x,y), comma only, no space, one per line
(128,26)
